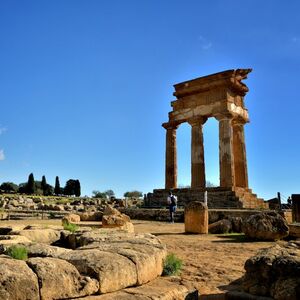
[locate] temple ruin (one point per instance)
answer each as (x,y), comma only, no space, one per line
(221,96)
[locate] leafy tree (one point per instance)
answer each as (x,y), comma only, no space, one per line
(22,188)
(9,187)
(109,193)
(210,184)
(77,188)
(30,189)
(72,187)
(98,194)
(57,189)
(133,194)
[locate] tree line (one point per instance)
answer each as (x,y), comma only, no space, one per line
(110,193)
(33,187)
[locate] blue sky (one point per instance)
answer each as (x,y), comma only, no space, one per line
(85,86)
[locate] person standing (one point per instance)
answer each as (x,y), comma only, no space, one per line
(172,203)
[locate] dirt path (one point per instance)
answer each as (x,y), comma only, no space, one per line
(211,262)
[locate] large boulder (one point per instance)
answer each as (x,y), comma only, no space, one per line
(112,218)
(265,226)
(60,280)
(113,271)
(17,280)
(274,272)
(44,250)
(8,240)
(147,257)
(221,226)
(71,218)
(45,235)
(91,216)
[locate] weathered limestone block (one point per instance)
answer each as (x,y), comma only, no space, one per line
(9,240)
(161,288)
(147,257)
(47,236)
(3,215)
(221,226)
(113,271)
(196,217)
(91,216)
(113,218)
(17,280)
(274,272)
(71,218)
(266,226)
(44,250)
(59,279)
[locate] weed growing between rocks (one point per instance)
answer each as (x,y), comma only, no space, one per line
(17,252)
(172,265)
(70,227)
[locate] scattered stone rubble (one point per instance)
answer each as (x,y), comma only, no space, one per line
(61,204)
(105,261)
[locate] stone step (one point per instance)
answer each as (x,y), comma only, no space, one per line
(161,288)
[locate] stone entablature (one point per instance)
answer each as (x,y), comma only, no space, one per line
(221,96)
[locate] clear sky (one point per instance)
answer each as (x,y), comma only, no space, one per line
(85,86)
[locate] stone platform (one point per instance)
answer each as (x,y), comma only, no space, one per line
(217,197)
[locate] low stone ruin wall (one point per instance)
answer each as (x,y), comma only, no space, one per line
(213,214)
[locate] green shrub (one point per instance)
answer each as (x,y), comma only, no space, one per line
(172,265)
(70,227)
(17,252)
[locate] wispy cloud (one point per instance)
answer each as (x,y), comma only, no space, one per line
(2,130)
(2,156)
(204,42)
(295,39)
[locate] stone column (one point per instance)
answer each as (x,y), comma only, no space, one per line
(239,152)
(171,156)
(197,154)
(296,208)
(226,157)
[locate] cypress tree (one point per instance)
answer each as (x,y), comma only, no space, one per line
(57,186)
(30,184)
(44,185)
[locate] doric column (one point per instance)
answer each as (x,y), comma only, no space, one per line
(226,157)
(239,152)
(197,153)
(171,156)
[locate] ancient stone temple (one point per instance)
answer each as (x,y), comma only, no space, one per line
(220,96)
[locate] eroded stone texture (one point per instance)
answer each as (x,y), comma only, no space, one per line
(17,280)
(266,226)
(60,280)
(107,261)
(196,218)
(159,289)
(44,235)
(274,272)
(113,271)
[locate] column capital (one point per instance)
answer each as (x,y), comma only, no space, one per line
(224,116)
(197,121)
(239,121)
(170,125)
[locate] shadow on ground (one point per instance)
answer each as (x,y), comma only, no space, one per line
(233,238)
